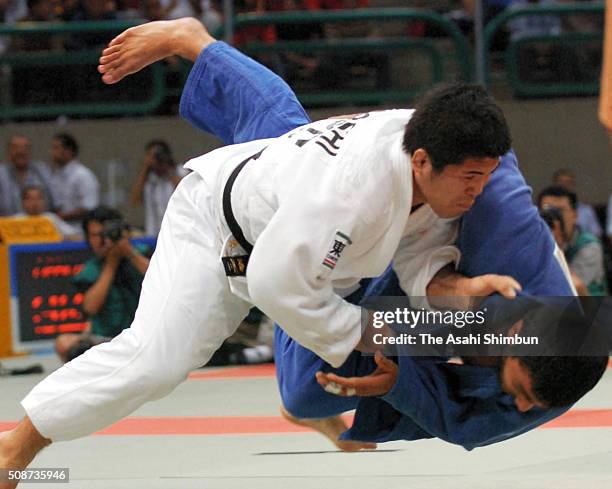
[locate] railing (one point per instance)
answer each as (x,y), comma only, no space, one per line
(18,64)
(427,46)
(127,97)
(568,39)
(158,91)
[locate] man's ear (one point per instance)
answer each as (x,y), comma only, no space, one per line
(516,328)
(419,160)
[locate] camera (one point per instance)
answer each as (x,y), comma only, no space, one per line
(552,214)
(114,228)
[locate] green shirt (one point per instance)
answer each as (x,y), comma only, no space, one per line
(119,308)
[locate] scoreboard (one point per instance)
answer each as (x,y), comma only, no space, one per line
(43,303)
(41,284)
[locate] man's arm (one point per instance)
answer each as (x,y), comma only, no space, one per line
(137,190)
(95,297)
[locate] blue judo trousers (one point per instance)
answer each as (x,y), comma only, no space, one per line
(238,100)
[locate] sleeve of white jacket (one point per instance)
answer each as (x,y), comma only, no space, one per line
(418,262)
(286,276)
(288,282)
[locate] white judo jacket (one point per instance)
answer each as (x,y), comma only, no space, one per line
(324,206)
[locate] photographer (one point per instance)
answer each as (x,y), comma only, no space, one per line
(583,251)
(155,183)
(110,282)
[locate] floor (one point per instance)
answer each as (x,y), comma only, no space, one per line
(221,429)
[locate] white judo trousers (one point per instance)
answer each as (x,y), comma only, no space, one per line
(186,310)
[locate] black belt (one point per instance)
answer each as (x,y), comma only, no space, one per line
(235,266)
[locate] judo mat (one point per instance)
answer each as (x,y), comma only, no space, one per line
(221,429)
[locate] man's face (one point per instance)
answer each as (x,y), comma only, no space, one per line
(568,213)
(19,152)
(33,202)
(59,154)
(158,167)
(516,381)
(453,191)
(95,237)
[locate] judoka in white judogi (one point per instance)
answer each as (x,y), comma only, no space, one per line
(324,205)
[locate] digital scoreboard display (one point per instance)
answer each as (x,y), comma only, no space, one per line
(44,301)
(47,301)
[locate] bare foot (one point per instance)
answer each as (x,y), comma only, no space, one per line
(332,428)
(140,46)
(6,462)
(18,448)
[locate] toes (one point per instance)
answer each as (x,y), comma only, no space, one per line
(118,40)
(111,50)
(105,59)
(109,78)
(106,67)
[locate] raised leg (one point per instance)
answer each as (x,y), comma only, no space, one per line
(227,94)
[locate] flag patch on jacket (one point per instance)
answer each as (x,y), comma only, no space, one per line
(336,248)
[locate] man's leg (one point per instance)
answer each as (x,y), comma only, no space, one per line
(185,312)
(305,403)
(227,93)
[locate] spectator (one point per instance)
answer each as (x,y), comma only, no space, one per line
(587,218)
(11,11)
(92,10)
(298,65)
(110,282)
(554,219)
(156,180)
(38,11)
(34,204)
(335,71)
(583,251)
(74,185)
(20,172)
(67,9)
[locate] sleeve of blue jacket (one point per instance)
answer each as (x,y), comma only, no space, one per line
(504,234)
(461,404)
(238,100)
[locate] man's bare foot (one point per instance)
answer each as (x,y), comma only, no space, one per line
(140,46)
(18,448)
(6,461)
(332,428)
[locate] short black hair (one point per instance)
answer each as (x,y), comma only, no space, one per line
(558,191)
(68,142)
(100,214)
(572,355)
(455,122)
(562,381)
(28,188)
(162,153)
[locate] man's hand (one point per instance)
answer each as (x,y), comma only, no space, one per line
(484,285)
(451,289)
(378,383)
(124,247)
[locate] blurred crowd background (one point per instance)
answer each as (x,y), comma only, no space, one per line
(68,149)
